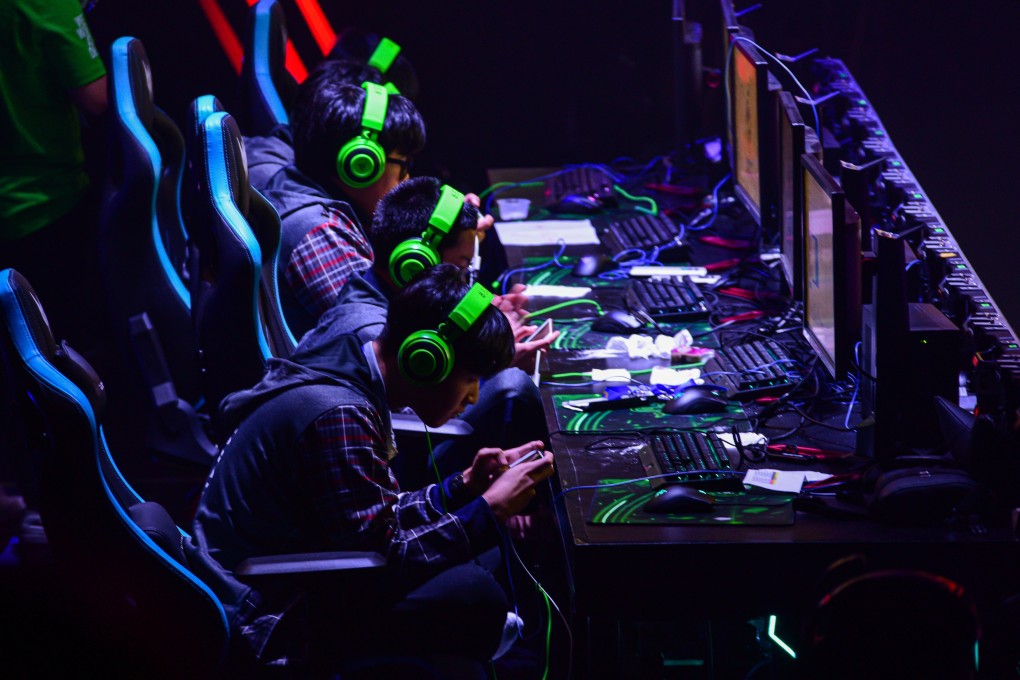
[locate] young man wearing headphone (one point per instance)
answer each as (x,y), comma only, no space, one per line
(418,225)
(307,469)
(352,144)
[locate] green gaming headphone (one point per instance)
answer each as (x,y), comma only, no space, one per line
(382,58)
(361,160)
(426,357)
(415,255)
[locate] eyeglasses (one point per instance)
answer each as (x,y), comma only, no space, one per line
(405,166)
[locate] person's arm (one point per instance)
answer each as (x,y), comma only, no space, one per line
(91,98)
(323,261)
(358,506)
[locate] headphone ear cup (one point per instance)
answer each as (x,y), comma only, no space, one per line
(425,358)
(409,259)
(360,162)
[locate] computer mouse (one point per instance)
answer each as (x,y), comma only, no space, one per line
(576,204)
(616,321)
(696,399)
(592,264)
(678,499)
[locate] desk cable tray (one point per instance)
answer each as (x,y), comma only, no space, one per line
(642,232)
(753,369)
(689,452)
(667,298)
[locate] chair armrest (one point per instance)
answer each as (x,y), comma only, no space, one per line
(406,422)
(309,563)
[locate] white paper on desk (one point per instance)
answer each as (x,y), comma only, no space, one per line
(549,290)
(784,481)
(546,232)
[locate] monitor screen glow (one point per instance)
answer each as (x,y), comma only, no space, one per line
(819,268)
(745,126)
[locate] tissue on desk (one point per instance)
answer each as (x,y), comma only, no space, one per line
(643,346)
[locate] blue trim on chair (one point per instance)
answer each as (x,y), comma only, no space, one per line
(205,106)
(262,67)
(127,113)
(223,200)
(113,466)
(54,380)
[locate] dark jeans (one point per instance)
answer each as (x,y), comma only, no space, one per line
(457,614)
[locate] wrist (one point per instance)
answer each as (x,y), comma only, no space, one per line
(458,488)
(470,484)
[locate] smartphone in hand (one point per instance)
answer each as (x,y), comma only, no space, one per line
(530,455)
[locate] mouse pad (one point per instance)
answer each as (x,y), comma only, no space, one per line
(646,417)
(622,505)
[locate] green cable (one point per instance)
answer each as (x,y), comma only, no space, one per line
(548,629)
(498,185)
(561,305)
(439,480)
(654,210)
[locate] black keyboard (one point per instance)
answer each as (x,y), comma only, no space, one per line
(583,181)
(753,369)
(667,298)
(642,231)
(690,452)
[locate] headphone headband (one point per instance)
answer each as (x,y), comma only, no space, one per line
(376,103)
(467,312)
(384,55)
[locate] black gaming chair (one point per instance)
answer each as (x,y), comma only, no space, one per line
(141,254)
(267,89)
(154,607)
(236,313)
(97,526)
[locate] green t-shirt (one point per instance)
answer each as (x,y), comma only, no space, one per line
(46,50)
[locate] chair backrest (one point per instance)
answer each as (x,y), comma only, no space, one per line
(147,298)
(267,89)
(226,313)
(170,620)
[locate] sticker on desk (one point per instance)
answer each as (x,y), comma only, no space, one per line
(624,505)
(784,481)
(644,417)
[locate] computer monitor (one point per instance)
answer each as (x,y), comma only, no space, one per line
(753,150)
(832,268)
(795,138)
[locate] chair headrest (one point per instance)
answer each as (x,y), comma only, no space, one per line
(134,89)
(223,138)
(61,356)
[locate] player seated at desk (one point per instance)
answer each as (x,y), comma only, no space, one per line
(416,226)
(307,469)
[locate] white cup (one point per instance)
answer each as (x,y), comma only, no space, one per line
(513,208)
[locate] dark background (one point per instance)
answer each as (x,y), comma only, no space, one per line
(545,82)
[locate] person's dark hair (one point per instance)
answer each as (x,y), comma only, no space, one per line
(485,349)
(355,44)
(404,213)
(350,71)
(328,112)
